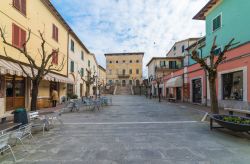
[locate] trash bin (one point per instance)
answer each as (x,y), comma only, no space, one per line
(20,116)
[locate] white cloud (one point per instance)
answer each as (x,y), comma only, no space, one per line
(150,26)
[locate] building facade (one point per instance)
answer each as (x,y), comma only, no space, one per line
(18,17)
(124,68)
(77,65)
(159,67)
(233,76)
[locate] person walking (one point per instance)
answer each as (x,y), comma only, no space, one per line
(54,97)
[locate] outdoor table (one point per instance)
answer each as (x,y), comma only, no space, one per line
(8,126)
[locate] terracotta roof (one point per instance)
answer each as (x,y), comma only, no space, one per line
(53,10)
(125,53)
(201,14)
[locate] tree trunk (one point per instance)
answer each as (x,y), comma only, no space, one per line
(34,94)
(87,89)
(213,96)
(159,95)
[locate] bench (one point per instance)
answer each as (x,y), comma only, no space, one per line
(231,111)
(172,99)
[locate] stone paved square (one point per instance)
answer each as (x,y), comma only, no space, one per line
(135,130)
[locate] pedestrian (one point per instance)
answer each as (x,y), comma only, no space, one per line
(54,97)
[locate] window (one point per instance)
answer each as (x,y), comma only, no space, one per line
(130,61)
(123,71)
(116,61)
(88,63)
(174,48)
(172,65)
(137,61)
(162,63)
(55,32)
(70,89)
(123,61)
(183,49)
(55,57)
(72,46)
(20,5)
(232,84)
(110,62)
(72,66)
(137,71)
(82,55)
(130,71)
(110,82)
(18,36)
(82,72)
(130,82)
(217,23)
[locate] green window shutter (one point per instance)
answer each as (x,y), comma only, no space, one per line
(72,66)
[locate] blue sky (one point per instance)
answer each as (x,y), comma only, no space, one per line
(150,26)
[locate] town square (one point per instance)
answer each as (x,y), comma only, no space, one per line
(124,82)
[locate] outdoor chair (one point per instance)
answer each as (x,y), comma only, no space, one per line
(88,102)
(37,121)
(22,132)
(4,144)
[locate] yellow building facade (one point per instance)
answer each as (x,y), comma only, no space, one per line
(17,20)
(101,75)
(124,68)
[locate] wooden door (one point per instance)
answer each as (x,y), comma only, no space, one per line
(15,92)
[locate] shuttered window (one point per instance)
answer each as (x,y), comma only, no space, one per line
(18,36)
(82,55)
(72,46)
(55,32)
(82,72)
(55,57)
(72,66)
(217,23)
(20,5)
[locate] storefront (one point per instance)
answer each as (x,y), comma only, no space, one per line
(197,91)
(15,88)
(174,88)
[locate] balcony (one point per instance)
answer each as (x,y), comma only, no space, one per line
(123,75)
(167,68)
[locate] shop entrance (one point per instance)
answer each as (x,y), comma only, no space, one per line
(15,92)
(197,91)
(178,93)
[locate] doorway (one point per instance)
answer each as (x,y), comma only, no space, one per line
(123,83)
(15,92)
(197,91)
(178,93)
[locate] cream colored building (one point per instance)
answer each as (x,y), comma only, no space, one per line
(101,75)
(77,65)
(124,68)
(36,15)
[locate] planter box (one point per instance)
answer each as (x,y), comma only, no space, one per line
(237,127)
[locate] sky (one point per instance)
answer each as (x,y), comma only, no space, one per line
(149,26)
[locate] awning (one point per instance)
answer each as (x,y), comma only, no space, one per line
(8,67)
(175,82)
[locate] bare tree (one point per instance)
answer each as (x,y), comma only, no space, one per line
(89,81)
(211,68)
(38,71)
